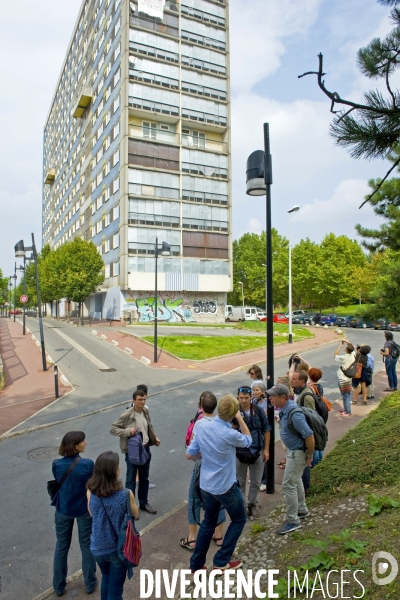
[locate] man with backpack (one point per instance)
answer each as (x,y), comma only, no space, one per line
(303,395)
(298,438)
(390,353)
(252,459)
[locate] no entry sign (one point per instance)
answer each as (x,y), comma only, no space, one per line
(23,299)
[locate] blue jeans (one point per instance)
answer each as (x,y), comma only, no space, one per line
(193,499)
(113,576)
(346,396)
(232,501)
(64,526)
(390,364)
(130,482)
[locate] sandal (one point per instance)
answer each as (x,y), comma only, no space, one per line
(217,540)
(354,402)
(364,402)
(186,543)
(281,465)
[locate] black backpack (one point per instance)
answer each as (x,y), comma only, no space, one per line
(394,350)
(315,422)
(320,405)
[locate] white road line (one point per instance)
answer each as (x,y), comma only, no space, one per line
(78,347)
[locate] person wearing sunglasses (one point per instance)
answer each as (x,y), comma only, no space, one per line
(256,375)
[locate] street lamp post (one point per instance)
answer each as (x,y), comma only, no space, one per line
(165,251)
(24,304)
(20,250)
(15,288)
(290,211)
(258,183)
(9,297)
(241,283)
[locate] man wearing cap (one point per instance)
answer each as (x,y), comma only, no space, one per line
(299,454)
(252,459)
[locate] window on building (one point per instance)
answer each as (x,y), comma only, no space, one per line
(115,158)
(107,246)
(116,240)
(107,271)
(99,226)
(116,268)
(115,212)
(115,185)
(116,104)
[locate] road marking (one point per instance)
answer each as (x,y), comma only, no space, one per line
(80,348)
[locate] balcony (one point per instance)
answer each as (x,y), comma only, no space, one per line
(135,218)
(157,107)
(154,52)
(203,117)
(202,90)
(139,248)
(205,197)
(206,170)
(152,162)
(50,177)
(202,15)
(169,27)
(153,191)
(203,65)
(153,79)
(204,224)
(153,134)
(84,99)
(203,40)
(204,144)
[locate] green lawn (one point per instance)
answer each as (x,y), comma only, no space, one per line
(300,332)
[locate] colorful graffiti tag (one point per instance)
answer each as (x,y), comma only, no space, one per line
(205,306)
(171,307)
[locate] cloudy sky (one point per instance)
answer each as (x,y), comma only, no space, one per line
(272,42)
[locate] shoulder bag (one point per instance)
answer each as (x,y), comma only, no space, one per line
(54,486)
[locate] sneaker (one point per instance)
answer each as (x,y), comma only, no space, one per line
(371,397)
(346,414)
(201,568)
(253,511)
(303,515)
(233,564)
(152,485)
(263,487)
(287,528)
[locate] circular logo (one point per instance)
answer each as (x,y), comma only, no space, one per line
(380,565)
(23,299)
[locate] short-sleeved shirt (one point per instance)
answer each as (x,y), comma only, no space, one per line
(299,422)
(217,442)
(388,344)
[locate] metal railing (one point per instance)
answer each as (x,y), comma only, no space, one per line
(202,90)
(202,15)
(153,134)
(203,117)
(204,224)
(158,107)
(204,143)
(203,65)
(139,248)
(206,197)
(202,40)
(150,191)
(136,218)
(149,23)
(206,170)
(154,79)
(154,52)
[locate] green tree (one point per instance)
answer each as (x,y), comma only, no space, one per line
(3,289)
(306,272)
(371,128)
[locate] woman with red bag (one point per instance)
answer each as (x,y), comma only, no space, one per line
(363,376)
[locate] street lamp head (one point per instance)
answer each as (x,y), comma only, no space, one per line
(19,249)
(255,174)
(240,282)
(165,249)
(294,209)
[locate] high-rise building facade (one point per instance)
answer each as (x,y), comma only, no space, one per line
(137,149)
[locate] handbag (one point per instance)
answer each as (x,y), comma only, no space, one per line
(54,486)
(358,371)
(325,400)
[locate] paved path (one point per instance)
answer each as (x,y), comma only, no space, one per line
(28,388)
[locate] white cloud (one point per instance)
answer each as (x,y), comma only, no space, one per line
(254,226)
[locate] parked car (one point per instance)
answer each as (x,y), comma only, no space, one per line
(380,324)
(358,322)
(296,313)
(312,319)
(394,327)
(280,318)
(344,321)
(261,315)
(328,320)
(18,311)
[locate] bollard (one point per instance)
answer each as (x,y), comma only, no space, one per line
(56,381)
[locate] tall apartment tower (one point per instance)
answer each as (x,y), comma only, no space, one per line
(137,149)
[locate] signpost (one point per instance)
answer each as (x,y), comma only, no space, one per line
(23,299)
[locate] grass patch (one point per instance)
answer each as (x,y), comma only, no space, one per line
(203,347)
(299,331)
(366,457)
(257,528)
(2,381)
(162,324)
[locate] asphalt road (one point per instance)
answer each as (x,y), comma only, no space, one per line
(26,520)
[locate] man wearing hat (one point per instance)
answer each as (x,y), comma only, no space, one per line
(299,454)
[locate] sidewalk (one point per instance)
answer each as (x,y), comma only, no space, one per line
(160,542)
(28,388)
(140,348)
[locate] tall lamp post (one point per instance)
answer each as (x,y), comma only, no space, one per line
(22,268)
(259,180)
(20,251)
(15,287)
(9,297)
(290,211)
(241,283)
(165,250)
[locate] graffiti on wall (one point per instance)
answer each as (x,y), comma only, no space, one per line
(172,307)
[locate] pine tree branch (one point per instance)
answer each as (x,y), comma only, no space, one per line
(345,115)
(388,84)
(336,99)
(368,198)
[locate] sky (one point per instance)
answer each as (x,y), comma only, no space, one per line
(271,43)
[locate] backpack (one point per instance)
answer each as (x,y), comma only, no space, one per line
(394,349)
(315,422)
(245,455)
(189,431)
(320,406)
(129,543)
(315,389)
(138,455)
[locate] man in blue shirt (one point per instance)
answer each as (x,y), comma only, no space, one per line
(299,454)
(215,442)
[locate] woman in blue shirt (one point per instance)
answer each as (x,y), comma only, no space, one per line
(106,499)
(70,503)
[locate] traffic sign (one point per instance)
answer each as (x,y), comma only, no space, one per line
(23,299)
